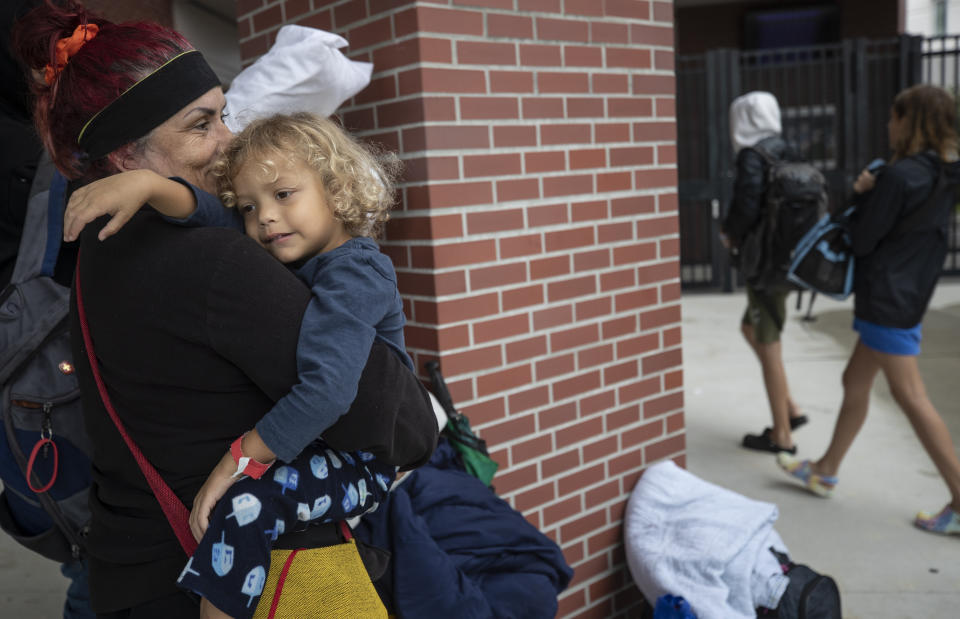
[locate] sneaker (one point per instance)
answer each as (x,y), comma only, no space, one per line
(947,522)
(820,485)
(763,442)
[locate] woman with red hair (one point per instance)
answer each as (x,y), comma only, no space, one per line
(195,331)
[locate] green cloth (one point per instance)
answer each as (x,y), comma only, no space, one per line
(472,449)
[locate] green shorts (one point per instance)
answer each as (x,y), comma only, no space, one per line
(759,305)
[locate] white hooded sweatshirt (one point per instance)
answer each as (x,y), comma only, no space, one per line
(753,117)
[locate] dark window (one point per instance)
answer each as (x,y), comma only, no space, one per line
(797,27)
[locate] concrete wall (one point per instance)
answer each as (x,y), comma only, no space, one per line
(123,10)
(210,25)
(213,33)
(537,240)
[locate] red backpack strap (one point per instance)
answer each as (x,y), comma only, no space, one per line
(173,508)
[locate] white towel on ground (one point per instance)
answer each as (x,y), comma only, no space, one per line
(710,545)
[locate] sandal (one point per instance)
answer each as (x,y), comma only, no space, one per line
(820,485)
(947,522)
(763,442)
(795,422)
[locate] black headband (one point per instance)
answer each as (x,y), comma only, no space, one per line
(147,104)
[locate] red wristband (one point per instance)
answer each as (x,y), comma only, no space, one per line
(245,465)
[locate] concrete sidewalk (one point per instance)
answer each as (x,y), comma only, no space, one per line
(31,587)
(863,535)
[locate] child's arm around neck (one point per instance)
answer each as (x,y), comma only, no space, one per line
(121,196)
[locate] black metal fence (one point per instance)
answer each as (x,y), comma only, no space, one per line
(834,101)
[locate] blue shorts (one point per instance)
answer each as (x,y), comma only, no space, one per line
(889,340)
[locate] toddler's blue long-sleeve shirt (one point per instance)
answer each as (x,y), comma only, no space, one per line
(355,300)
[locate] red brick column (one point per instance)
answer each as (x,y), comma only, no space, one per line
(537,242)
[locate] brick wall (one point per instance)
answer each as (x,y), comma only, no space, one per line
(537,240)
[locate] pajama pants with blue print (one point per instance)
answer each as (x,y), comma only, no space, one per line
(230,565)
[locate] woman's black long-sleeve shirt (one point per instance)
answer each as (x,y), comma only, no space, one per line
(196,334)
(895,274)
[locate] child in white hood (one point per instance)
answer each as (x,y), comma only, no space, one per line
(754,117)
(755,126)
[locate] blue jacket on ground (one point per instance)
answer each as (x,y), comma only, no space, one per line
(459,550)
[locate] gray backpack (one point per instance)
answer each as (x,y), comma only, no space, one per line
(42,431)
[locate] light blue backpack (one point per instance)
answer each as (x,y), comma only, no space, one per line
(823,258)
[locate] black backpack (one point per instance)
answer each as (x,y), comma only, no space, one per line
(809,595)
(795,198)
(42,428)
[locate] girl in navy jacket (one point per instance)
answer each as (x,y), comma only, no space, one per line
(896,273)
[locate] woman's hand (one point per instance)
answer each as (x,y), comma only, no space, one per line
(210,492)
(864,182)
(120,195)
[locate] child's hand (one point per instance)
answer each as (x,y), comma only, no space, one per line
(120,195)
(212,491)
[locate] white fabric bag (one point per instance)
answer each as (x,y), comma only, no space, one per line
(304,71)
